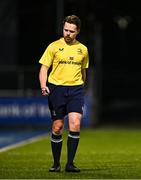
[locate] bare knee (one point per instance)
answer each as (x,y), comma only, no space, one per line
(74,121)
(57,127)
(74,126)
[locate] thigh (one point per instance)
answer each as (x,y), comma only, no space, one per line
(57,102)
(76,100)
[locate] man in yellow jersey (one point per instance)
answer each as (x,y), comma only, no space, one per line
(64,86)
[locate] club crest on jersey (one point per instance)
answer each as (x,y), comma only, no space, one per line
(61,49)
(79,51)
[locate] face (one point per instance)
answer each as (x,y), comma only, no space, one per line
(70,32)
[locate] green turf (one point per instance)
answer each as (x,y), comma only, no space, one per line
(102,154)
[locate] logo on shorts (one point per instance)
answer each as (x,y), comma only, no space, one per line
(53,113)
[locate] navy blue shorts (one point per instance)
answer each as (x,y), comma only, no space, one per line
(65,99)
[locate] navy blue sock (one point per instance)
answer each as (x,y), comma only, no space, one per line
(72,143)
(56,145)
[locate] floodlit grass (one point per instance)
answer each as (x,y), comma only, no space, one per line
(102,154)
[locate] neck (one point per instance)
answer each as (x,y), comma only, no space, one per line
(70,43)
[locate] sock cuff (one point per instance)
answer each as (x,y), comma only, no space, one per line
(56,138)
(75,135)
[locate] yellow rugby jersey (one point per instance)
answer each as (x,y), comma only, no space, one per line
(67,62)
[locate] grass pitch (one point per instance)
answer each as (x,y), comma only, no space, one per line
(102,154)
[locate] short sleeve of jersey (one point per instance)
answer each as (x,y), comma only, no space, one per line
(86,60)
(47,56)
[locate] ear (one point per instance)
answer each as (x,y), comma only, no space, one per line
(78,31)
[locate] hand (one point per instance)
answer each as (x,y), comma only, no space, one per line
(45,91)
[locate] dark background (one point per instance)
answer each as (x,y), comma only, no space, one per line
(110,29)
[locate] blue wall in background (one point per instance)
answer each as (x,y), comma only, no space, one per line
(32,111)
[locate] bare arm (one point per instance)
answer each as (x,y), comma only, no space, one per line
(43,76)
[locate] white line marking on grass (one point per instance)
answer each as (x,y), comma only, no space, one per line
(24,142)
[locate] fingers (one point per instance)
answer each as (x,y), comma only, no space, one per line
(45,91)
